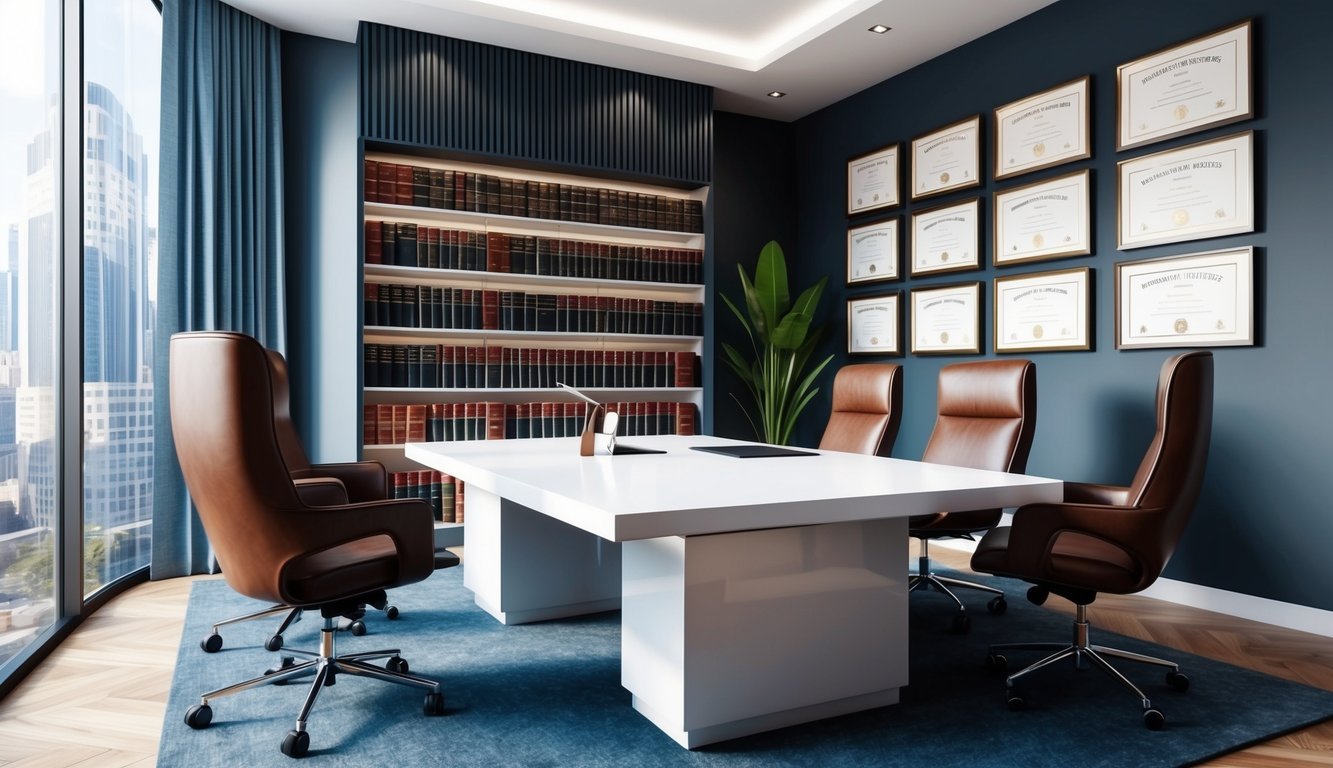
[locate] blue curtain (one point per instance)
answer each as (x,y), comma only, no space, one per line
(221,264)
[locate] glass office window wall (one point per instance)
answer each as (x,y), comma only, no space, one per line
(107,246)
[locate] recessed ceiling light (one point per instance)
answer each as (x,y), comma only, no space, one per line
(776,94)
(880,29)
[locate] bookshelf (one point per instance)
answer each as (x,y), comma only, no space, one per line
(476,302)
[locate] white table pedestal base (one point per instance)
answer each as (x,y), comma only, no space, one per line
(731,634)
(523,566)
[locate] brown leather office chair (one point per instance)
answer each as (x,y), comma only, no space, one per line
(349,482)
(1112,539)
(867,408)
(987,414)
(280,538)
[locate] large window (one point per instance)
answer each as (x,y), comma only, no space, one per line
(97,232)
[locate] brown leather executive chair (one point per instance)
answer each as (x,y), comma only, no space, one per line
(867,408)
(281,538)
(1112,539)
(355,481)
(987,414)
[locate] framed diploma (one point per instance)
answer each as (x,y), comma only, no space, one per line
(872,181)
(1047,220)
(947,320)
(1045,129)
(1194,300)
(872,252)
(1199,83)
(1043,312)
(945,238)
(873,326)
(947,159)
(1197,191)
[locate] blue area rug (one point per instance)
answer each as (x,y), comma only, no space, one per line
(549,694)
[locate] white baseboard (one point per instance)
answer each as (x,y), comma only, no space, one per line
(1289,615)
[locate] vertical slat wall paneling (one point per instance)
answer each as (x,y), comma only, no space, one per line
(454,95)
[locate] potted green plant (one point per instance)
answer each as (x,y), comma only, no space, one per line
(782,337)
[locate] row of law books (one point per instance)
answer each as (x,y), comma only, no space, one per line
(425,187)
(457,366)
(405,244)
(447,308)
(398,423)
(442,491)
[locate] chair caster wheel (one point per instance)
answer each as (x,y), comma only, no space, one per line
(199,716)
(296,744)
(962,624)
(274,643)
(1038,595)
(358,628)
(996,663)
(212,643)
(287,662)
(434,705)
(391,613)
(1153,720)
(1016,703)
(1177,681)
(396,664)
(997,606)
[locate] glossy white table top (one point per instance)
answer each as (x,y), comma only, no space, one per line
(685,492)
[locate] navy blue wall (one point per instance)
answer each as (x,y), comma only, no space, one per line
(1263,525)
(754,201)
(322,167)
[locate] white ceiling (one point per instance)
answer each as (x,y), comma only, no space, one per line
(816,51)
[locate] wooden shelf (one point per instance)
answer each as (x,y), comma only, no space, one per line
(588,286)
(378,395)
(390,334)
(524,225)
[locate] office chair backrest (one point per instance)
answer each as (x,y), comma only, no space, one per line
(1171,473)
(987,413)
(867,408)
(222,420)
(288,439)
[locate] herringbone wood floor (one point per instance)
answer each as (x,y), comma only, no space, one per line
(99,700)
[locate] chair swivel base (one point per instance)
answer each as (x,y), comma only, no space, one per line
(1079,650)
(213,643)
(326,665)
(927,579)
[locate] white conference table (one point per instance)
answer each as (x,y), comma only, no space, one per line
(755,593)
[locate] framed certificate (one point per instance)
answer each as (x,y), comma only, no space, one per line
(872,181)
(1197,191)
(872,252)
(1194,300)
(946,320)
(1045,129)
(1043,311)
(1047,220)
(1199,83)
(945,238)
(873,325)
(947,159)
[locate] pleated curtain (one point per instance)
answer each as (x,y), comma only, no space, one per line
(220,263)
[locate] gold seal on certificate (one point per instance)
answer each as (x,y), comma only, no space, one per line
(872,181)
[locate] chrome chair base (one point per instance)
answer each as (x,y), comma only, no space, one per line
(926,579)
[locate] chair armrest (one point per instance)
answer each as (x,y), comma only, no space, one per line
(364,480)
(1093,493)
(1036,526)
(321,491)
(408,523)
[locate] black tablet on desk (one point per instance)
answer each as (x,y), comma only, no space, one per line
(751,451)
